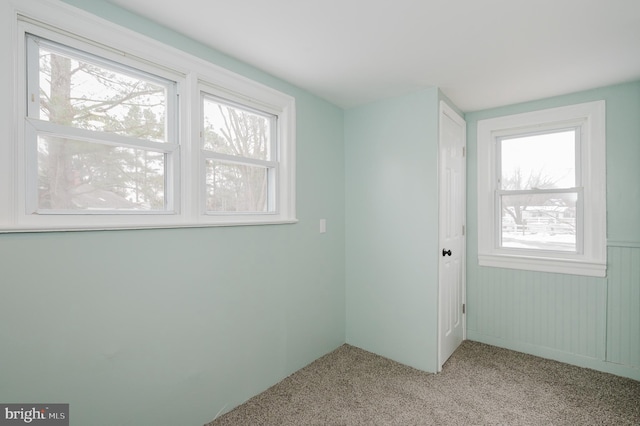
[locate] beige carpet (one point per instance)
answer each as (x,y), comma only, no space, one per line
(479,385)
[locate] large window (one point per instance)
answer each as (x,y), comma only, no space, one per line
(541,190)
(114,130)
(100,136)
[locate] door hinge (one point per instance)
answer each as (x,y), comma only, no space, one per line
(464,308)
(464,150)
(462,229)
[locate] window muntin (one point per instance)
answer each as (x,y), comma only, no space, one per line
(98,134)
(537,193)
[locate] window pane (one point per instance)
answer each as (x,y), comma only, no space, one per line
(77,175)
(539,221)
(236,187)
(539,161)
(234,131)
(76,91)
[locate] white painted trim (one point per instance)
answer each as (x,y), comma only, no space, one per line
(592,261)
(159,225)
(630,244)
(127,46)
(530,263)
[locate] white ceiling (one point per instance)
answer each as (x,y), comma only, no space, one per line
(481,53)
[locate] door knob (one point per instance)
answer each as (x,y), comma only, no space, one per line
(446,252)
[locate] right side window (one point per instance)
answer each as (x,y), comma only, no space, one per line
(240,147)
(542,190)
(539,195)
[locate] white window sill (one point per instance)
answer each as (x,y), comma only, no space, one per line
(130,226)
(544,264)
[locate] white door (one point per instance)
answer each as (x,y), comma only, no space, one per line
(452,190)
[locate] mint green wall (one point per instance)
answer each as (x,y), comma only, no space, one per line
(585,321)
(173,326)
(169,327)
(392,227)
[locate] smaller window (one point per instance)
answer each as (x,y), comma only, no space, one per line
(240,148)
(246,156)
(541,190)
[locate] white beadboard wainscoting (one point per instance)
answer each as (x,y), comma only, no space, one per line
(623,301)
(591,322)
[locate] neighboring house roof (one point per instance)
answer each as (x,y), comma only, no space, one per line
(86,196)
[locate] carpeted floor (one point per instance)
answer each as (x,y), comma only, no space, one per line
(479,385)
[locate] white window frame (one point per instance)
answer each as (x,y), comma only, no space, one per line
(590,258)
(75,28)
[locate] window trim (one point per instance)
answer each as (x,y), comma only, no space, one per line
(58,19)
(592,260)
